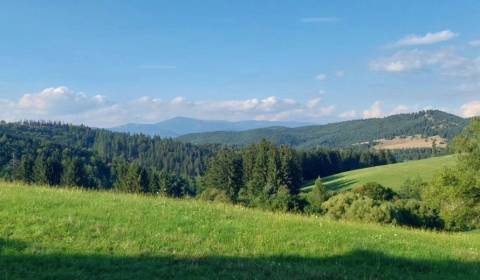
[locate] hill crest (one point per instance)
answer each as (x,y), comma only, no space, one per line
(343,134)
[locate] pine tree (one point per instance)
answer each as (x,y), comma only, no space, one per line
(225,172)
(40,169)
(25,170)
(75,173)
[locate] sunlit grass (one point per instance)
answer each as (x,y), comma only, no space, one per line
(392,175)
(50,233)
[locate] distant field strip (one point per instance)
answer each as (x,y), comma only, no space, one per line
(410,142)
(69,234)
(392,175)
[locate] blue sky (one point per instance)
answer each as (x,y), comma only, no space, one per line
(105,63)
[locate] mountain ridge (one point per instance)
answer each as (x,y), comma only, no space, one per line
(179,126)
(342,134)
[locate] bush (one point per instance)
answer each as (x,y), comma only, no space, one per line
(375,191)
(412,188)
(336,207)
(213,194)
(416,213)
(282,200)
(316,197)
(455,193)
(368,210)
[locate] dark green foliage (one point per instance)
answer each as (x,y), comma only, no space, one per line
(75,173)
(316,197)
(282,200)
(173,186)
(375,191)
(60,154)
(225,172)
(456,191)
(375,203)
(260,175)
(416,213)
(417,153)
(213,194)
(324,162)
(412,188)
(25,170)
(32,138)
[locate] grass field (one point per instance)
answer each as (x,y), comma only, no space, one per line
(392,175)
(70,234)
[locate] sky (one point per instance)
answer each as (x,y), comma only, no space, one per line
(106,63)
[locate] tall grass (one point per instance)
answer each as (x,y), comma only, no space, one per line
(50,233)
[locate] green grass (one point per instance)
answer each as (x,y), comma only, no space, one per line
(392,175)
(71,234)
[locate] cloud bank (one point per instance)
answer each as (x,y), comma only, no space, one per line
(64,104)
(427,39)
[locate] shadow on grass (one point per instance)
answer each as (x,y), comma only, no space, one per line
(15,263)
(335,183)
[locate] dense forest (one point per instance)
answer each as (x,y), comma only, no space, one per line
(61,154)
(259,175)
(343,134)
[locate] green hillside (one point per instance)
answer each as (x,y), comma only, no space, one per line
(50,233)
(392,175)
(343,134)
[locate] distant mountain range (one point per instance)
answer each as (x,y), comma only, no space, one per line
(342,134)
(181,125)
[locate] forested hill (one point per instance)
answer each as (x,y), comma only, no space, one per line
(343,134)
(97,147)
(60,154)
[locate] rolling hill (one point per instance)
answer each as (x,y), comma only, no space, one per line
(50,233)
(392,175)
(343,134)
(181,125)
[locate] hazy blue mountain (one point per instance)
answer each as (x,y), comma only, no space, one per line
(342,134)
(181,125)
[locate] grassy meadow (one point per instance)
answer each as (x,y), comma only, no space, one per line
(391,175)
(48,233)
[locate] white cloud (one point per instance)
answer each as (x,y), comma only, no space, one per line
(471,109)
(375,111)
(319,19)
(427,39)
(348,115)
(321,77)
(400,109)
(404,61)
(314,102)
(59,100)
(66,105)
(340,73)
(474,43)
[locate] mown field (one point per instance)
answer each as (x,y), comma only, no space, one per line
(392,175)
(71,234)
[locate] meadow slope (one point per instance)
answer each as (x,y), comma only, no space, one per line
(391,175)
(71,234)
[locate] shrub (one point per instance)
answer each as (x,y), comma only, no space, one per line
(282,200)
(416,213)
(412,188)
(213,194)
(455,193)
(337,205)
(316,197)
(369,210)
(375,191)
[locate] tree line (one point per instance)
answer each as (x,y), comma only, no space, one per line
(60,154)
(260,175)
